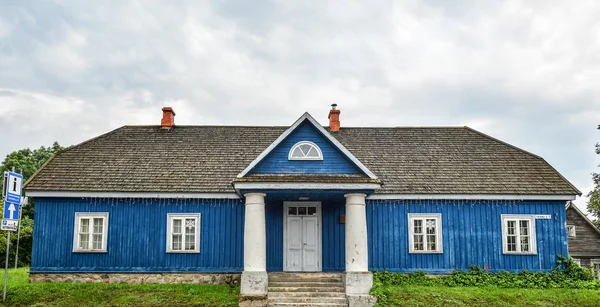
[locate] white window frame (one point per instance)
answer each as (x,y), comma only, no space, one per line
(593,262)
(170,217)
(315,147)
(438,233)
(532,233)
(577,261)
(90,215)
(571,231)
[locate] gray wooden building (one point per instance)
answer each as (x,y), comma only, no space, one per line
(584,239)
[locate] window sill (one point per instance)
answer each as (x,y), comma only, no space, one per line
(183,252)
(90,251)
(520,254)
(426,252)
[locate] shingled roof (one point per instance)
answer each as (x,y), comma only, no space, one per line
(407,160)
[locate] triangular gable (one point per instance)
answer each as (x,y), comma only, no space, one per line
(570,205)
(309,119)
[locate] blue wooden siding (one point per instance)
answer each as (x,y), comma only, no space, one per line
(137,236)
(472,234)
(334,162)
(332,239)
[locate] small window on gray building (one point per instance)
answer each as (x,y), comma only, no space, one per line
(571,231)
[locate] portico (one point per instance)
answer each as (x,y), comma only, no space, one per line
(358,279)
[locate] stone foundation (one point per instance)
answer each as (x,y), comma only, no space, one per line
(253,301)
(138,278)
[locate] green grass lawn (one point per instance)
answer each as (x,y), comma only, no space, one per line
(22,293)
(488,296)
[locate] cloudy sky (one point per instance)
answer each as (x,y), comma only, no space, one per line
(526,72)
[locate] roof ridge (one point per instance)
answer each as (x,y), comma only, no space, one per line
(528,153)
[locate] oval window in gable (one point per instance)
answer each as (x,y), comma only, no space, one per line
(305,150)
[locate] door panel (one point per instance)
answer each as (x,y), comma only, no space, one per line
(302,239)
(310,240)
(294,243)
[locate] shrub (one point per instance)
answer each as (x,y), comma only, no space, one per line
(566,274)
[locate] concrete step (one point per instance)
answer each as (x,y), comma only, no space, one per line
(306,294)
(308,300)
(306,289)
(306,277)
(312,284)
(306,305)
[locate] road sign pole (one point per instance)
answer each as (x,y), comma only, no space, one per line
(18,235)
(6,266)
(6,262)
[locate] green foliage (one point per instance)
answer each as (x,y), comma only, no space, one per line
(487,297)
(28,162)
(25,244)
(593,205)
(566,274)
(21,293)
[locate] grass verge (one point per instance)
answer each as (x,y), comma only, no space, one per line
(487,296)
(22,293)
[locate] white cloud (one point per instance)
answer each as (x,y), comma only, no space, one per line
(523,71)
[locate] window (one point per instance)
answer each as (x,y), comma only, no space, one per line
(183,235)
(305,150)
(518,234)
(90,232)
(577,261)
(571,231)
(595,264)
(425,233)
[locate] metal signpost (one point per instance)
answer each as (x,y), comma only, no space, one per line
(13,183)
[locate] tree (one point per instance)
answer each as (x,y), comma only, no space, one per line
(28,162)
(594,202)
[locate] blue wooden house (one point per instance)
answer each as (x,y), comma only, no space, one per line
(227,200)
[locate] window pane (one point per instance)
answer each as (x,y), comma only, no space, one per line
(511,243)
(418,226)
(176,226)
(430,226)
(524,243)
(84,241)
(190,242)
(301,210)
(176,242)
(84,226)
(524,227)
(312,210)
(292,211)
(313,153)
(510,227)
(418,242)
(97,241)
(190,226)
(431,242)
(98,224)
(297,153)
(305,149)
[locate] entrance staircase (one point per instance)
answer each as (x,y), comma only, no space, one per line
(306,289)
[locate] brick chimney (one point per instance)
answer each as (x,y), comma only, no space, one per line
(168,119)
(334,118)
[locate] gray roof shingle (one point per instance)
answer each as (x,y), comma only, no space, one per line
(408,160)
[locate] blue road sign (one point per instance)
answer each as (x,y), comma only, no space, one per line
(11,211)
(12,188)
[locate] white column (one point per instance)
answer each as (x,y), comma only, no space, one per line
(358,278)
(254,277)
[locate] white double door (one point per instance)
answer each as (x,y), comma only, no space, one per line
(302,237)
